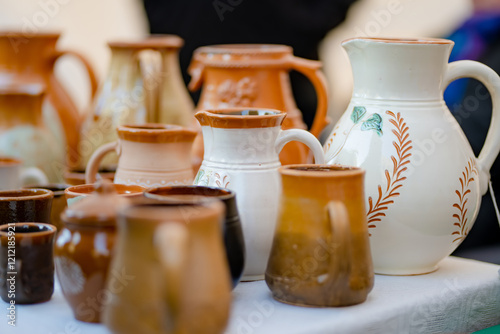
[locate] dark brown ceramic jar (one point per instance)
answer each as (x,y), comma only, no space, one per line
(83,251)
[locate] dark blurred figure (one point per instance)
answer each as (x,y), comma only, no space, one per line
(301,24)
(478,38)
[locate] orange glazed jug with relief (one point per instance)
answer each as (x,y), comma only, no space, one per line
(423,183)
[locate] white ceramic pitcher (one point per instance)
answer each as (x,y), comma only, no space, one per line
(423,182)
(241,153)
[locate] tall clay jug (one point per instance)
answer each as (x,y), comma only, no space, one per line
(171,275)
(256,76)
(423,182)
(241,154)
(30,58)
(143,84)
(23,132)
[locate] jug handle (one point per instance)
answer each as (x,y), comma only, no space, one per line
(304,137)
(171,242)
(96,158)
(312,70)
(90,70)
(340,264)
(491,148)
(195,70)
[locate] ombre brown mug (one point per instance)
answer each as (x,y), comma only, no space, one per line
(321,253)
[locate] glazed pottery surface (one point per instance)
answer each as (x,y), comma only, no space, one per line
(423,182)
(25,205)
(177,278)
(29,58)
(58,201)
(256,76)
(143,84)
(241,154)
(84,249)
(14,176)
(150,155)
(23,132)
(321,252)
(233,234)
(77,193)
(31,271)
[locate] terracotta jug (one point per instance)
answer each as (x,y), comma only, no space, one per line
(256,76)
(178,277)
(23,132)
(143,84)
(30,58)
(241,154)
(423,182)
(321,252)
(84,249)
(150,155)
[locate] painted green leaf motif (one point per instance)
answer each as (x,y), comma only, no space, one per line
(200,174)
(373,123)
(357,113)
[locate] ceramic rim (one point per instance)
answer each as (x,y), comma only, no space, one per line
(25,194)
(423,40)
(49,229)
(321,170)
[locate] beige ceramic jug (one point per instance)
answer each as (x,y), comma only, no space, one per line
(178,279)
(150,155)
(423,182)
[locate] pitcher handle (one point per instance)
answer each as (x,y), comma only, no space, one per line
(312,70)
(340,264)
(491,148)
(171,243)
(96,158)
(195,70)
(33,175)
(90,70)
(304,137)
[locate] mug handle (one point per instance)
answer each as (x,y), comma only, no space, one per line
(95,160)
(171,243)
(340,264)
(90,70)
(33,175)
(304,137)
(487,76)
(312,70)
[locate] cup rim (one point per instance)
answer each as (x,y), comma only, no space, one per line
(318,171)
(78,190)
(51,229)
(36,194)
(57,188)
(9,161)
(224,193)
(403,40)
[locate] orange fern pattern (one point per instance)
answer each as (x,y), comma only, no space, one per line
(394,178)
(465,181)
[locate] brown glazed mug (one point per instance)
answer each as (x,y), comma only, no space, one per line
(233,233)
(25,205)
(58,202)
(27,274)
(321,252)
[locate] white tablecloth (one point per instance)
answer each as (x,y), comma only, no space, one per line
(462,296)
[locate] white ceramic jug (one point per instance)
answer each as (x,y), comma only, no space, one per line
(423,182)
(241,154)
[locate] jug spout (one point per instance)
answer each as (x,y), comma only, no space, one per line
(398,69)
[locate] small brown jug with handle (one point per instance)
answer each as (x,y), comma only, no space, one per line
(256,76)
(321,254)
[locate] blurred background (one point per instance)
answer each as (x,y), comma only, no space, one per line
(314,29)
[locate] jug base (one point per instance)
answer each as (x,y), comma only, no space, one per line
(405,272)
(251,278)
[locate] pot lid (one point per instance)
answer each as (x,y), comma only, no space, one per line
(98,209)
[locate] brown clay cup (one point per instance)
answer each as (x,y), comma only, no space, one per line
(58,202)
(78,192)
(26,262)
(25,205)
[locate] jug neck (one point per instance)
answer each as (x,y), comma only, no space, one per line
(20,106)
(124,67)
(398,69)
(21,52)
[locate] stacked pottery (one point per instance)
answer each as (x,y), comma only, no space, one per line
(256,76)
(241,154)
(150,155)
(423,182)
